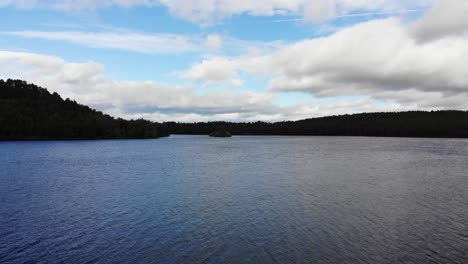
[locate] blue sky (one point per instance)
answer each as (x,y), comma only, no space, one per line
(224,60)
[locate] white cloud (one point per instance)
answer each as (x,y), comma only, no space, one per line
(379,58)
(373,56)
(87,83)
(388,64)
(131,41)
(446,17)
(320,10)
(213,42)
(209,11)
(75,4)
(151,43)
(213,70)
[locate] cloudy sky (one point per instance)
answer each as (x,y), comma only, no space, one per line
(237,60)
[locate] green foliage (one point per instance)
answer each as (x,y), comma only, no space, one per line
(30,112)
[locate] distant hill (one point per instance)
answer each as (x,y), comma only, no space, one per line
(31,112)
(449,124)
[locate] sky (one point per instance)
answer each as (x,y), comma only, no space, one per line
(267,60)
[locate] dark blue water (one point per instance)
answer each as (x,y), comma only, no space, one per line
(192,199)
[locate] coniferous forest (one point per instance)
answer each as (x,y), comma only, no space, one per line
(438,124)
(30,112)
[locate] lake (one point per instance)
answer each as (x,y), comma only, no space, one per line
(195,199)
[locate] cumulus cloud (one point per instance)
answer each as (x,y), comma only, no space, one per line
(86,82)
(379,58)
(385,65)
(213,70)
(377,55)
(446,17)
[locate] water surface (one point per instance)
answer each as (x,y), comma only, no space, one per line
(195,199)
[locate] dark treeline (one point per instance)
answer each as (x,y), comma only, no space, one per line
(401,124)
(30,112)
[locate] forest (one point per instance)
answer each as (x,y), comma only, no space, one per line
(29,112)
(438,124)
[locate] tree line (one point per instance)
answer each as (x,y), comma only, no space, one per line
(450,124)
(31,112)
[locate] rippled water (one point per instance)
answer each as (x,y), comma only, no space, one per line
(195,199)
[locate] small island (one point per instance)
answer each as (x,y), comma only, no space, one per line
(220,133)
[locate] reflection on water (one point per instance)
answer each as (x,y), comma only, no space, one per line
(195,199)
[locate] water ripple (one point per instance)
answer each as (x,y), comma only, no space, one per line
(190,199)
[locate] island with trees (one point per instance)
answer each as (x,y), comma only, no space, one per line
(221,133)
